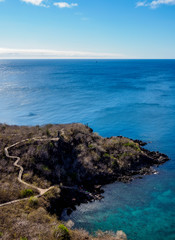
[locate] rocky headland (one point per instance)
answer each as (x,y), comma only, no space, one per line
(74,160)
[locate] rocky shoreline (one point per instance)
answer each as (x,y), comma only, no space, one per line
(141,162)
(74,163)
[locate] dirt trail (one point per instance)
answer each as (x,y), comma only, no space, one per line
(21,169)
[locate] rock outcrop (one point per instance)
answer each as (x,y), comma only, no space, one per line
(83,161)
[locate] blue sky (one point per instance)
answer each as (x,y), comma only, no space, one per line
(87,29)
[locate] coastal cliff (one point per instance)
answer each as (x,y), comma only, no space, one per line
(74,160)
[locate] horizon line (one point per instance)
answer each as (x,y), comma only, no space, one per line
(87,58)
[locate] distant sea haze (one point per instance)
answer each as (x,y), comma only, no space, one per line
(133,98)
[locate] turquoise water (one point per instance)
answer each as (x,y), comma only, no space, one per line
(133,98)
(144,209)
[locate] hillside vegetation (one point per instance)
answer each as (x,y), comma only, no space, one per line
(77,164)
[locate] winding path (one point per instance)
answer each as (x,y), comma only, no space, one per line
(40,190)
(21,169)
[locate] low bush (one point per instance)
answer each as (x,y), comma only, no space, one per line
(45,168)
(132,145)
(26,193)
(61,232)
(51,145)
(90,146)
(33,201)
(106,155)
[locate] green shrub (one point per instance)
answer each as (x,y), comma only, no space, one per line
(33,201)
(23,238)
(132,145)
(26,193)
(106,155)
(29,141)
(45,168)
(129,144)
(61,232)
(90,146)
(114,158)
(51,145)
(25,175)
(39,147)
(0,234)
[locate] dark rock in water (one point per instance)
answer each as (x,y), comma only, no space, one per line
(141,143)
(69,211)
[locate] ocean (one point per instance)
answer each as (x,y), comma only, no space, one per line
(132,98)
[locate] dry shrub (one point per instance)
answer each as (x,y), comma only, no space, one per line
(39,216)
(80,234)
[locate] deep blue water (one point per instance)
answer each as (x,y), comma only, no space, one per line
(133,98)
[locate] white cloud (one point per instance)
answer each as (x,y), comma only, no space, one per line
(140,4)
(1,0)
(65,5)
(34,2)
(10,53)
(155,3)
